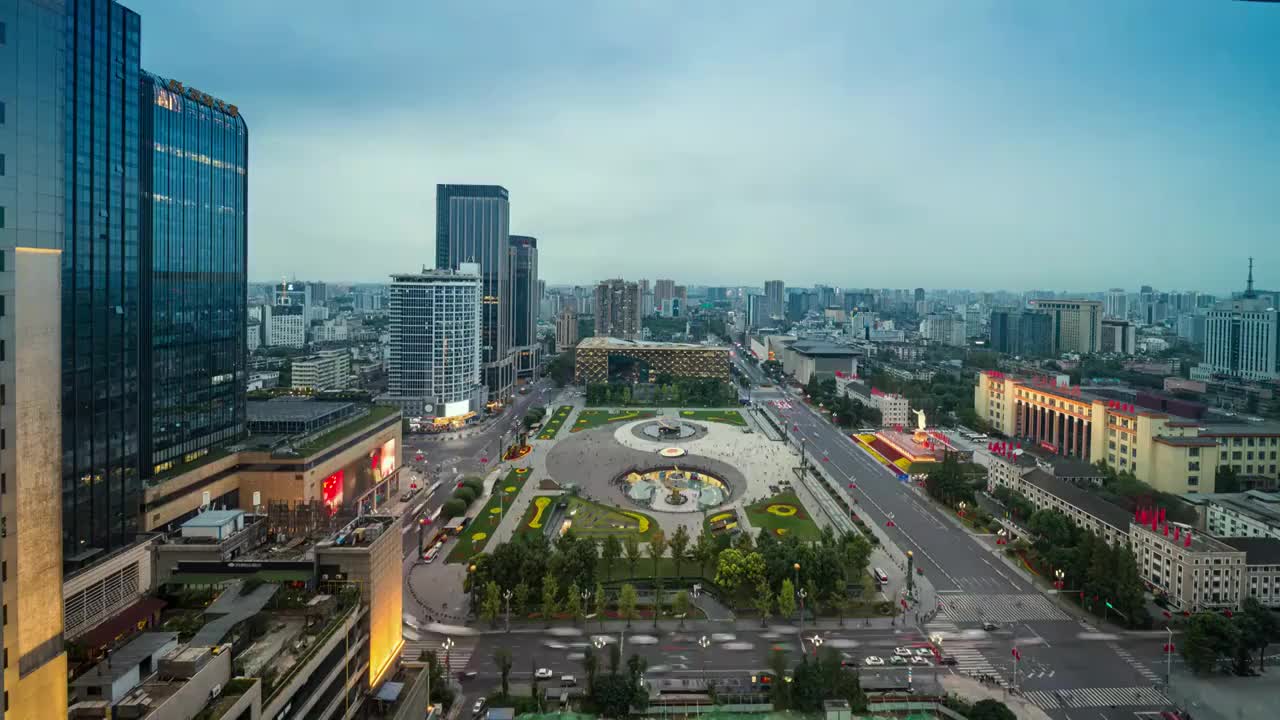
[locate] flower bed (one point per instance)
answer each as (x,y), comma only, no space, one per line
(555,422)
(783,514)
(476,534)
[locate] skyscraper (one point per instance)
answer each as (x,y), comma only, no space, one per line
(101,281)
(435,364)
(663,291)
(1076,324)
(33,92)
(472,224)
(194,282)
(1116,304)
(618,309)
(775,292)
(1242,336)
(524,304)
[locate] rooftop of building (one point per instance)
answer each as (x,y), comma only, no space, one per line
(603,342)
(823,348)
(1256,504)
(360,532)
(429,274)
(292,408)
(1241,429)
(1177,535)
(1257,551)
(1185,441)
(213,518)
(1113,515)
(127,658)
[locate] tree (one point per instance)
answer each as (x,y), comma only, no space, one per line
(1259,628)
(590,666)
(680,606)
(549,593)
(764,602)
(704,551)
(627,601)
(615,658)
(452,508)
(632,548)
(520,599)
(787,598)
(989,709)
(657,548)
(601,602)
(492,603)
(440,690)
(778,689)
(573,602)
(502,658)
(610,552)
(1210,637)
(1226,480)
(657,600)
(679,547)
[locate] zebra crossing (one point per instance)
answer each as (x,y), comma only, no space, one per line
(1136,696)
(969,659)
(456,659)
(1146,672)
(972,608)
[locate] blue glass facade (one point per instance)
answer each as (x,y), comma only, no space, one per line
(194,281)
(472,225)
(524,304)
(101,323)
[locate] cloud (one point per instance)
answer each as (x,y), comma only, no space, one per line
(983,145)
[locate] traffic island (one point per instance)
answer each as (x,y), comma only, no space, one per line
(555,422)
(475,535)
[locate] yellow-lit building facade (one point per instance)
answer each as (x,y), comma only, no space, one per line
(648,360)
(1171,454)
(35,669)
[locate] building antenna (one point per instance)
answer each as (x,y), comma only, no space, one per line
(1248,291)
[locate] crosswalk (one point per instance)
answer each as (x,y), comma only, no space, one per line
(969,659)
(1146,672)
(1137,696)
(457,658)
(974,608)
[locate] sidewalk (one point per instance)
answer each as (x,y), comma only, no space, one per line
(972,691)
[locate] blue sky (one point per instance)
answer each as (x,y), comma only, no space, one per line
(892,144)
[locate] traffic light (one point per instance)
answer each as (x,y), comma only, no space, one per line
(1110,606)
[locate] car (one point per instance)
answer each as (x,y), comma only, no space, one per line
(924,652)
(873,660)
(543,674)
(478,707)
(897,660)
(989,626)
(917,660)
(903,651)
(466,675)
(568,681)
(948,660)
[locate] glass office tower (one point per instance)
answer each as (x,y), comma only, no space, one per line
(472,226)
(101,485)
(194,285)
(524,304)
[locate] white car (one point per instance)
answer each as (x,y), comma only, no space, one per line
(873,660)
(917,660)
(897,660)
(543,674)
(902,652)
(924,652)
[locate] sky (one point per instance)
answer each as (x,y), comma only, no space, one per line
(931,143)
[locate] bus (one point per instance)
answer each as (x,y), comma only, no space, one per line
(881,576)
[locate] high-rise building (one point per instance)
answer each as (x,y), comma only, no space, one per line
(663,292)
(1119,336)
(567,328)
(646,299)
(1242,336)
(1116,304)
(101,281)
(618,309)
(284,326)
(1017,332)
(326,370)
(775,292)
(472,226)
(435,367)
(194,282)
(1076,325)
(524,304)
(33,187)
(679,301)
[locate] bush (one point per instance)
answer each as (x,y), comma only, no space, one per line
(452,509)
(466,494)
(476,485)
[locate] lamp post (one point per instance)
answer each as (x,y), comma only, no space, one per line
(447,645)
(910,566)
(962,507)
(507,595)
(1059,579)
(1168,659)
(704,643)
(817,643)
(802,595)
(585,595)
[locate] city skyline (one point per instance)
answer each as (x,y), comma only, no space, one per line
(1149,148)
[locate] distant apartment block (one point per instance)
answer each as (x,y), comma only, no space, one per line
(326,370)
(1075,325)
(617,311)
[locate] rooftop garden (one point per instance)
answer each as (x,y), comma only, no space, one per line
(375,414)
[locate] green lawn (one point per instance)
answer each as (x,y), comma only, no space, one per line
(555,422)
(477,533)
(783,514)
(729,417)
(588,419)
(376,414)
(589,519)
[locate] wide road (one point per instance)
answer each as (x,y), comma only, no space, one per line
(974,585)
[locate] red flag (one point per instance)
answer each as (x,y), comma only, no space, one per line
(1188,542)
(1166,529)
(1016,654)
(1162,514)
(1177,533)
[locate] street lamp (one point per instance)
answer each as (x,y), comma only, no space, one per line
(802,595)
(471,571)
(911,557)
(817,643)
(447,645)
(704,643)
(507,595)
(962,506)
(1059,581)
(585,595)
